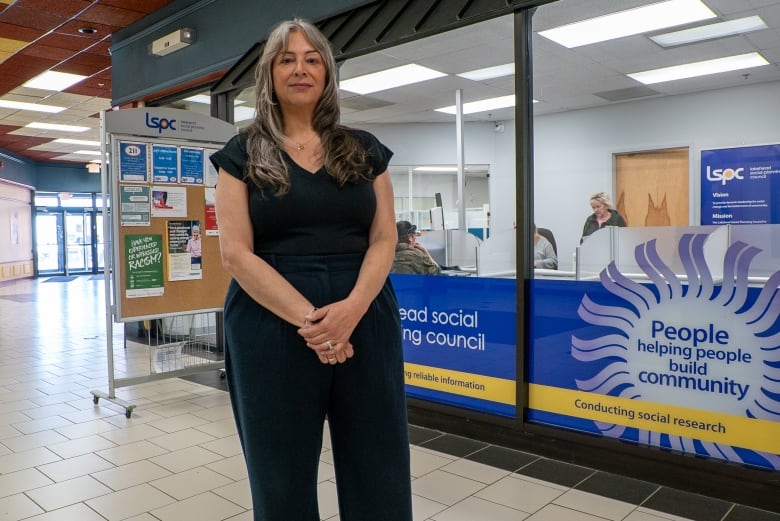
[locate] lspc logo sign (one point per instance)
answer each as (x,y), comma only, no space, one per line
(724,175)
(160,123)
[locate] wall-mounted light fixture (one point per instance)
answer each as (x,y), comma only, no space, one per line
(172,42)
(93,168)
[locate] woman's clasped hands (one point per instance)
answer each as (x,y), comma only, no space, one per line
(327,331)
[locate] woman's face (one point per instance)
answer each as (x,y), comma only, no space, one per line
(298,74)
(600,210)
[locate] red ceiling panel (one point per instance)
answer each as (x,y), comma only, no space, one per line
(5,129)
(17,32)
(47,51)
(52,28)
(25,67)
(101,29)
(65,8)
(66,41)
(143,6)
(44,20)
(110,15)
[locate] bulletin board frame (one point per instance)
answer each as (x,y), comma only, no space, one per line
(160,130)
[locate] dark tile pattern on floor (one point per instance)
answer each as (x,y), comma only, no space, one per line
(743,513)
(617,487)
(500,457)
(420,435)
(454,445)
(685,504)
(558,472)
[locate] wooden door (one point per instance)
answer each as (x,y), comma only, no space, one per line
(651,188)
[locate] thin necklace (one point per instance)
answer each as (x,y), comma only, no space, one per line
(300,146)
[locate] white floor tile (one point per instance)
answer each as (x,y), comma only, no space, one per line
(131,452)
(22,480)
(188,458)
(445,488)
(178,423)
(18,506)
(203,507)
(58,495)
(519,494)
(79,511)
(234,467)
(74,467)
(139,432)
(473,508)
(182,439)
(476,471)
(35,440)
(557,513)
(423,462)
(228,446)
(327,499)
(26,459)
(129,502)
(72,448)
(424,508)
(594,504)
(130,475)
(190,482)
(237,493)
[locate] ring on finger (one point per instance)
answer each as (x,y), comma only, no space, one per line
(332,359)
(330,345)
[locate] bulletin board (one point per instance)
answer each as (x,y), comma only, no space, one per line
(164,236)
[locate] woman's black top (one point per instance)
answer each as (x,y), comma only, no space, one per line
(316,216)
(591,224)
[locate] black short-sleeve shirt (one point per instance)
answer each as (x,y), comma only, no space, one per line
(317,216)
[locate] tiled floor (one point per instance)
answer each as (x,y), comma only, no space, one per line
(63,458)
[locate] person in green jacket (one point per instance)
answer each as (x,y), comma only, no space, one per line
(410,255)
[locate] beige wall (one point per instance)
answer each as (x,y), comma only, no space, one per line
(15,232)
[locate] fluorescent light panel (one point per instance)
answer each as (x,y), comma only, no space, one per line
(631,21)
(484,105)
(51,80)
(54,126)
(37,107)
(206,100)
(389,79)
(489,73)
(87,152)
(710,31)
(83,142)
(702,68)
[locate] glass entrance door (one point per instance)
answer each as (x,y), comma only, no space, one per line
(49,242)
(78,231)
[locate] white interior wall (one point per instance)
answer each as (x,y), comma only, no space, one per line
(573,150)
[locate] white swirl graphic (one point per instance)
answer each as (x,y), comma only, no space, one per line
(703,345)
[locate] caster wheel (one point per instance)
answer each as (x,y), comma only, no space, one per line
(95,399)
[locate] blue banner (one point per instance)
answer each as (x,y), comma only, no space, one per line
(692,367)
(460,340)
(738,185)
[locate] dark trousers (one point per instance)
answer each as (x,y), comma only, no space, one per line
(281,394)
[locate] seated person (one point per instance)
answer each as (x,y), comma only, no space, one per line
(544,253)
(410,255)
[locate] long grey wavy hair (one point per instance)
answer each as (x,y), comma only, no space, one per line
(343,157)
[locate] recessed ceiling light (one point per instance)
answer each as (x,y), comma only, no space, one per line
(710,31)
(390,78)
(77,142)
(87,30)
(37,107)
(472,107)
(51,80)
(631,21)
(54,126)
(702,68)
(488,73)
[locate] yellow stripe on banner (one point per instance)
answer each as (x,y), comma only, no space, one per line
(472,385)
(738,431)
